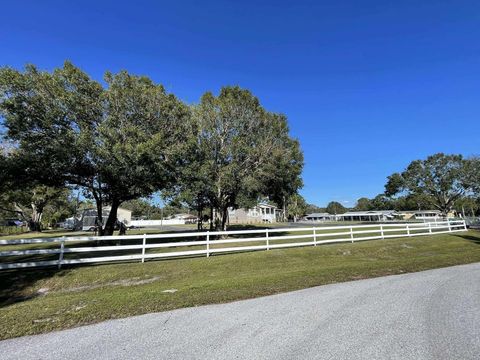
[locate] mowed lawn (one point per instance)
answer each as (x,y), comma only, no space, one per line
(41,300)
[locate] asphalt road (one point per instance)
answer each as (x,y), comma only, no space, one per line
(428,315)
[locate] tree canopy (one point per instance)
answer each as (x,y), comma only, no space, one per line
(334,207)
(242,153)
(128,138)
(118,143)
(440,178)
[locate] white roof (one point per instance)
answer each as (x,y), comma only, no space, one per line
(369,213)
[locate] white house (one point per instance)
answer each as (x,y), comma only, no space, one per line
(261,213)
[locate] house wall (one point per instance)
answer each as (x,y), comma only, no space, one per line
(250,216)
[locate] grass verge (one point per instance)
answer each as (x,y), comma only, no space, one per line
(41,300)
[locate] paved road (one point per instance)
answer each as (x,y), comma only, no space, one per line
(429,315)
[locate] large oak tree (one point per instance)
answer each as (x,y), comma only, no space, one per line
(439,178)
(118,142)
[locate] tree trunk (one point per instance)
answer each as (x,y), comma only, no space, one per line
(211,218)
(200,219)
(35,222)
(224,218)
(99,222)
(112,218)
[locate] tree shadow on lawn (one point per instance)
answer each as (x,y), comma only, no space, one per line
(474,239)
(14,282)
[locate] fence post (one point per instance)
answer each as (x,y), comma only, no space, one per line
(208,243)
(143,247)
(351,233)
(408,230)
(381,231)
(449,227)
(464,225)
(314,237)
(430,227)
(62,248)
(266,236)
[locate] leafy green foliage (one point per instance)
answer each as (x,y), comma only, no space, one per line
(363,204)
(118,143)
(130,138)
(296,207)
(242,153)
(472,176)
(440,177)
(335,208)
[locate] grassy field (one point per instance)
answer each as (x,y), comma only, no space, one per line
(41,300)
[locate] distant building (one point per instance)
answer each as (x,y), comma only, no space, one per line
(87,219)
(425,215)
(261,213)
(185,218)
(381,215)
(320,217)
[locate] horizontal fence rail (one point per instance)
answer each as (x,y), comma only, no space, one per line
(57,251)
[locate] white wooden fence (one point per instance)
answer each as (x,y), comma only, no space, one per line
(205,243)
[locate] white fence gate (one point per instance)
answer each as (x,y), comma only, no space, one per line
(59,251)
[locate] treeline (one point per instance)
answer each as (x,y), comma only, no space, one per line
(129,138)
(439,182)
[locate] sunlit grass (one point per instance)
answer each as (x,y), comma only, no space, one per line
(40,300)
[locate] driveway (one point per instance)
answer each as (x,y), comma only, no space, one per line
(427,315)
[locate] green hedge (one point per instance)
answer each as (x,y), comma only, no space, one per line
(11,230)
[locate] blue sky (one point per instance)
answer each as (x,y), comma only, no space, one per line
(367,86)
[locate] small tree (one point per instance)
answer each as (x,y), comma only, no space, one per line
(334,207)
(363,204)
(296,207)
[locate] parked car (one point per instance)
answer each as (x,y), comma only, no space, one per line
(13,222)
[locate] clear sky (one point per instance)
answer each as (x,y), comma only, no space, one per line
(367,86)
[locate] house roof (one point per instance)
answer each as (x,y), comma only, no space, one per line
(266,205)
(427,212)
(419,212)
(369,213)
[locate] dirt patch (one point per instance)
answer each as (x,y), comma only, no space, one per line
(123,282)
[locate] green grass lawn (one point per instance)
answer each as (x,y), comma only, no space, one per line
(40,300)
